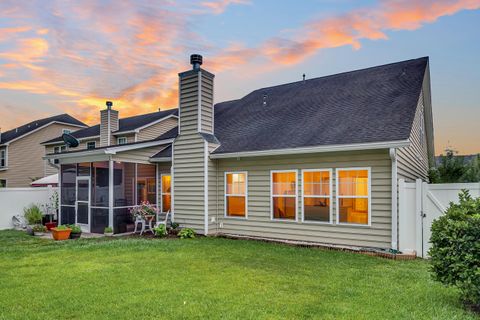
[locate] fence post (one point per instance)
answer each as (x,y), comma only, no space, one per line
(418,217)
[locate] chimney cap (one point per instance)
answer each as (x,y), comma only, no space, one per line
(109,104)
(196,61)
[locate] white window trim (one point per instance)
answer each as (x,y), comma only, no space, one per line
(235,195)
(289,196)
(60,148)
(118,140)
(330,197)
(161,191)
(94,143)
(369,197)
(5,150)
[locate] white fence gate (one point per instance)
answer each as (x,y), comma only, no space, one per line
(421,203)
(13,200)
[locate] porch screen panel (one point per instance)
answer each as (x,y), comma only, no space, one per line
(99,220)
(68,215)
(100,184)
(68,175)
(146,183)
(83,169)
(124,184)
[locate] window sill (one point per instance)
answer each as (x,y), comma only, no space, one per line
(3,168)
(329,223)
(356,225)
(235,218)
(284,220)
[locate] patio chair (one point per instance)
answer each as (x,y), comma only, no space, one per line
(163,221)
(146,225)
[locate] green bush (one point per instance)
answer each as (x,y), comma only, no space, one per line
(108,230)
(455,251)
(75,228)
(33,214)
(160,231)
(186,233)
(174,225)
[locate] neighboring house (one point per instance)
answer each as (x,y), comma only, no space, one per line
(21,153)
(315,160)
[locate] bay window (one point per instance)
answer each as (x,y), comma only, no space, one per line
(236,194)
(283,190)
(317,195)
(353,196)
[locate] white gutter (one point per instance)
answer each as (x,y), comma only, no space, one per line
(393,156)
(108,150)
(328,148)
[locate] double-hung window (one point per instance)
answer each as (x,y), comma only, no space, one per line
(59,149)
(3,158)
(317,195)
(166,191)
(353,196)
(91,145)
(122,140)
(236,194)
(283,190)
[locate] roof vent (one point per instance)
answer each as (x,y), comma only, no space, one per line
(196,61)
(304,78)
(109,105)
(265,99)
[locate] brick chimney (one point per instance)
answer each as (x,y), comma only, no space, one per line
(108,124)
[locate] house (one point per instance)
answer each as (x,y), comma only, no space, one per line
(21,153)
(315,160)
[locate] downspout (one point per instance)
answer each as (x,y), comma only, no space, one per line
(393,157)
(52,164)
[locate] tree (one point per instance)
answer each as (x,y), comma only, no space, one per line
(451,169)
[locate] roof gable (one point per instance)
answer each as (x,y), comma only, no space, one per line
(9,136)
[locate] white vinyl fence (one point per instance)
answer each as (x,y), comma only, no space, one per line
(421,203)
(13,200)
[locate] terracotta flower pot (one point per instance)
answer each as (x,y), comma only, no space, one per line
(61,234)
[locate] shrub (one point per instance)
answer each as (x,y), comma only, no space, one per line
(108,230)
(455,251)
(33,214)
(75,228)
(186,233)
(160,231)
(174,225)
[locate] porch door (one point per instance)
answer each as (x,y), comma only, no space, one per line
(82,204)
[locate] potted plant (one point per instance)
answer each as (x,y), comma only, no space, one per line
(33,215)
(76,231)
(145,210)
(39,230)
(108,231)
(61,232)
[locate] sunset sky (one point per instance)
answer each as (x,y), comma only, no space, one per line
(70,56)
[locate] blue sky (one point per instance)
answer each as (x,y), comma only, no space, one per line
(71,56)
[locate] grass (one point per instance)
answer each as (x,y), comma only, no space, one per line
(214,278)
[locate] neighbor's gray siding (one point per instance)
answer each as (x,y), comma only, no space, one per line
(412,161)
(189,179)
(259,222)
(155,130)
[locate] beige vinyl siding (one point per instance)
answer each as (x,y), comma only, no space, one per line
(189,103)
(155,130)
(212,191)
(130,138)
(25,156)
(207,103)
(412,161)
(189,181)
(49,170)
(259,223)
(103,128)
(138,155)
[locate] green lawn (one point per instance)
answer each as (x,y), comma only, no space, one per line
(210,278)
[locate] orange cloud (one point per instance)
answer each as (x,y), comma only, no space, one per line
(219,6)
(6,33)
(350,28)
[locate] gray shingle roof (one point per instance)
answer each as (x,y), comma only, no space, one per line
(164,153)
(377,104)
(27,128)
(125,124)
